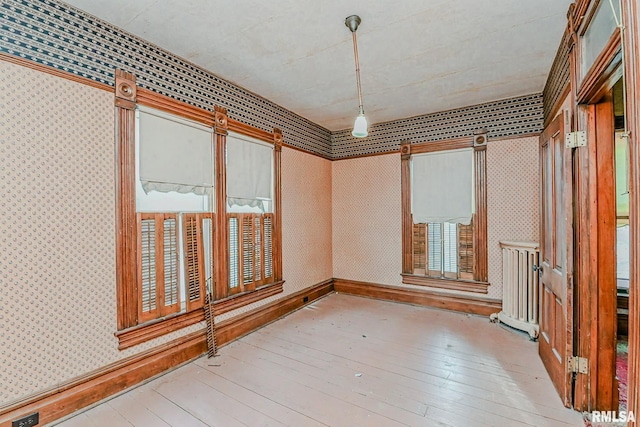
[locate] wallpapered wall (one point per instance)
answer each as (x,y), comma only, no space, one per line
(57,231)
(367,226)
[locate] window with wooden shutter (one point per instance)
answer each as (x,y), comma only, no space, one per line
(443,250)
(159,291)
(250,251)
(194,259)
(172,174)
(444,243)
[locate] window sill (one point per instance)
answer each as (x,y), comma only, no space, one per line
(138,334)
(451,284)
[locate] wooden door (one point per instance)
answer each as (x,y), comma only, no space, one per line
(555,303)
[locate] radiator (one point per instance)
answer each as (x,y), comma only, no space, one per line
(520,287)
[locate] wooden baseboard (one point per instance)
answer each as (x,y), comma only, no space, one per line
(463,303)
(93,387)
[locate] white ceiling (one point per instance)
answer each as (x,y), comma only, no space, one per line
(416,57)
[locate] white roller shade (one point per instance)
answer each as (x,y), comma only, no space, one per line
(442,186)
(249,171)
(175,154)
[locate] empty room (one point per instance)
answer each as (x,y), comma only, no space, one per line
(339,213)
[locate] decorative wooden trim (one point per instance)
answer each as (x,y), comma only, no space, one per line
(605,68)
(156,328)
(277,196)
(447,144)
(138,334)
(444,283)
(479,143)
(632,84)
(221,262)
(126,229)
(54,71)
(85,390)
(248,322)
(427,298)
(236,301)
(155,100)
(248,130)
(480,246)
(407,229)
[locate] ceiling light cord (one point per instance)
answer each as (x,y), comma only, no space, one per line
(355,54)
(360,126)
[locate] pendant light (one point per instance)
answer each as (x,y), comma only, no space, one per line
(360,126)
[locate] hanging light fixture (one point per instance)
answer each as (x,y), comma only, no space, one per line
(360,126)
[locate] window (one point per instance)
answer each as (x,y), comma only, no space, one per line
(444,214)
(198,202)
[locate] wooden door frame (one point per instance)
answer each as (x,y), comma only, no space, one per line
(632,109)
(595,309)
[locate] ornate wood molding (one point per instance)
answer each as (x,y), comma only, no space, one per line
(480,245)
(220,120)
(220,127)
(164,103)
(138,334)
(125,89)
(126,230)
(464,303)
(405,179)
(277,195)
(452,284)
(80,392)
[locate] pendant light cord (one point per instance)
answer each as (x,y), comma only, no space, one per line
(355,54)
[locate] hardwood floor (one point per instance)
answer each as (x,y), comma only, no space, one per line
(351,361)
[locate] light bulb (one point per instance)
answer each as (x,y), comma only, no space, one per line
(360,126)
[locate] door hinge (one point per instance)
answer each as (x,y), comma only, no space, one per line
(576,139)
(578,364)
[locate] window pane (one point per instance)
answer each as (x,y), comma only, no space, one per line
(598,34)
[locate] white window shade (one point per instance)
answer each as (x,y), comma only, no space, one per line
(175,155)
(249,172)
(442,187)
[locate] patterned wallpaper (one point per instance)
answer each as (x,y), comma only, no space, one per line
(53,33)
(367,225)
(367,243)
(512,199)
(306,219)
(57,231)
(511,117)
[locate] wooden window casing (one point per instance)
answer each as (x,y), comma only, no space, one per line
(147,256)
(471,275)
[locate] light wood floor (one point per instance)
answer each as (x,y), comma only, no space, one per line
(350,361)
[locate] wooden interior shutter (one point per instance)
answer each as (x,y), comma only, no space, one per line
(465,251)
(193,261)
(170,283)
(158,292)
(147,295)
(247,252)
(268,247)
(434,249)
(419,249)
(234,253)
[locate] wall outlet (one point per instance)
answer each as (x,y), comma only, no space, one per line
(305,299)
(28,421)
